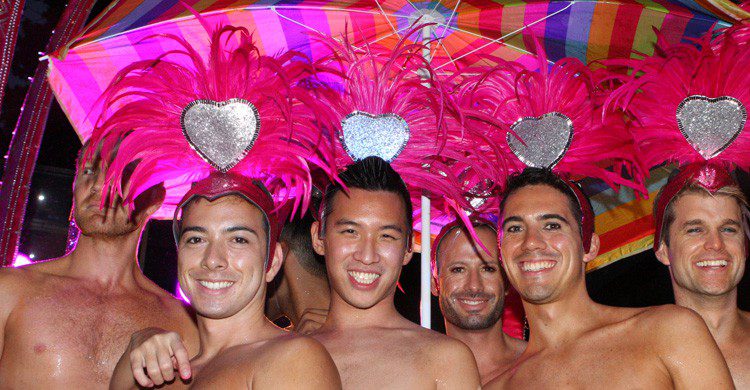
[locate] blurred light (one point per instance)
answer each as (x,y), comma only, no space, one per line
(41,197)
(31,255)
(21,259)
(181,295)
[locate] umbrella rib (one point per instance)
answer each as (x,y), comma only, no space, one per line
(294,21)
(502,38)
(445,29)
(382,11)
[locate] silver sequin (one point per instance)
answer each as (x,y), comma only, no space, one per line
(222,133)
(364,135)
(711,125)
(547,138)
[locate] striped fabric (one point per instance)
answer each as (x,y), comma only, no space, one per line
(468,31)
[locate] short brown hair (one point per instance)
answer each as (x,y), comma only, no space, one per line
(732,191)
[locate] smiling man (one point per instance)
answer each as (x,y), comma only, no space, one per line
(471,286)
(703,241)
(66,321)
(365,236)
(545,242)
(227,252)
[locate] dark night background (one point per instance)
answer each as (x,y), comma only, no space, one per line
(639,280)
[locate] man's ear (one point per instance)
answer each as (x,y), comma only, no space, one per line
(407,257)
(662,254)
(276,261)
(593,250)
(318,244)
(434,286)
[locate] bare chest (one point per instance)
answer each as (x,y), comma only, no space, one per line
(377,362)
(73,333)
(588,366)
(737,356)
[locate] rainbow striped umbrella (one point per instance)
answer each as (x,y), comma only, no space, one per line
(466,32)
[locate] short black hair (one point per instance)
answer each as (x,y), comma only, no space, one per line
(541,176)
(296,235)
(369,174)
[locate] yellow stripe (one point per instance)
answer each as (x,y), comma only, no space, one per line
(621,252)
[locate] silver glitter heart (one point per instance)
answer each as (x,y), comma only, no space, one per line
(222,133)
(364,135)
(711,125)
(546,137)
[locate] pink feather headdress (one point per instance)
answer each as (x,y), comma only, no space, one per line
(393,106)
(549,118)
(185,115)
(688,105)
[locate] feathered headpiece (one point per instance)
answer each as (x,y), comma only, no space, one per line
(185,115)
(393,106)
(688,105)
(549,118)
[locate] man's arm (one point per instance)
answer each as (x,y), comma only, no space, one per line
(10,284)
(298,363)
(151,359)
(456,367)
(688,350)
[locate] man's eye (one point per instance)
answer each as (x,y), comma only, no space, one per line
(193,240)
(488,268)
(552,226)
(694,230)
(88,171)
(729,229)
(513,229)
(390,237)
(457,270)
(348,231)
(240,240)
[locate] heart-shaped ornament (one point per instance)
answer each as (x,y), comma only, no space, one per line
(710,125)
(546,138)
(222,133)
(364,135)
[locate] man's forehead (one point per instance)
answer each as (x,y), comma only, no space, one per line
(696,204)
(458,244)
(362,206)
(536,200)
(233,207)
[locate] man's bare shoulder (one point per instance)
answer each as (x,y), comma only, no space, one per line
(289,361)
(20,281)
(669,320)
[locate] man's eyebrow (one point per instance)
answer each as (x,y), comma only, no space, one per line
(392,227)
(693,222)
(731,221)
(198,229)
(342,222)
(553,216)
(233,229)
(512,219)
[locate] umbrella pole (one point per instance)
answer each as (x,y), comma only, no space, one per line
(425,299)
(425,307)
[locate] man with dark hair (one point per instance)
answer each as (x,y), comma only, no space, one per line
(66,321)
(226,254)
(702,238)
(575,342)
(300,292)
(365,236)
(471,285)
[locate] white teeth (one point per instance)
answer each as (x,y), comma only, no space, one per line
(364,277)
(533,266)
(215,285)
(712,263)
(471,302)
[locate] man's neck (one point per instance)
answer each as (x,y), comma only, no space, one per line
(305,292)
(719,312)
(247,326)
(110,262)
(489,346)
(345,316)
(565,319)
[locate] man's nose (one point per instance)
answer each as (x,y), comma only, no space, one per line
(215,257)
(367,251)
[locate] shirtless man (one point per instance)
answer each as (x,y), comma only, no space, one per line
(300,291)
(470,284)
(703,241)
(365,236)
(576,343)
(227,252)
(65,322)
